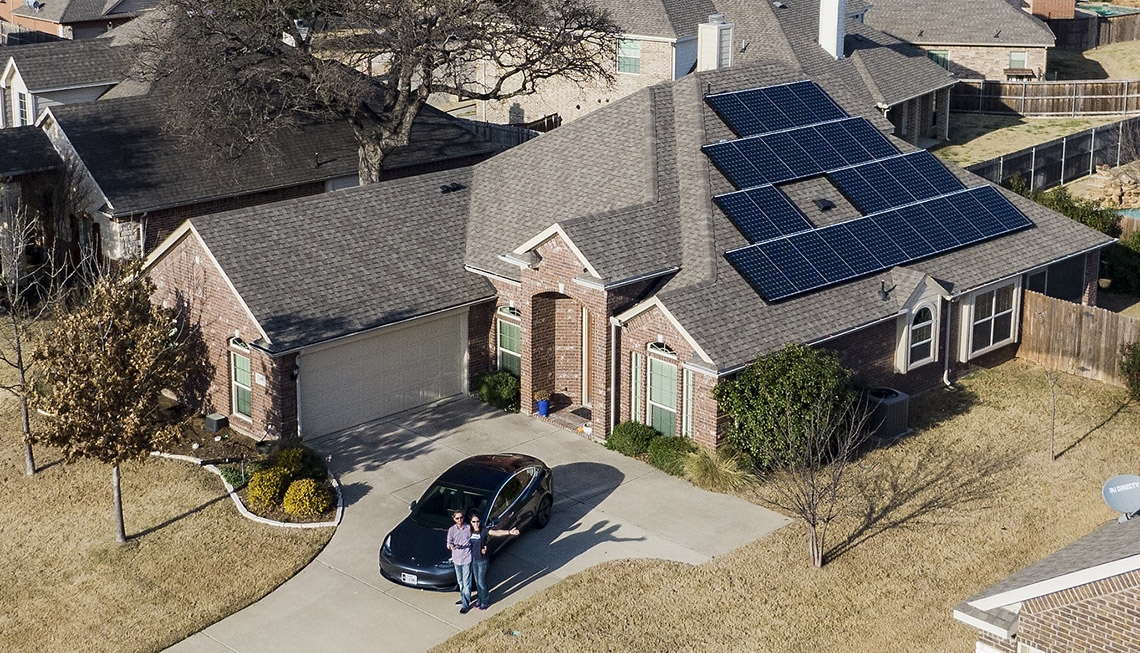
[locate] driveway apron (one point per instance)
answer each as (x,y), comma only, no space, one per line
(607,507)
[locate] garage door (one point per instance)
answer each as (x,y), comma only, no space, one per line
(368,377)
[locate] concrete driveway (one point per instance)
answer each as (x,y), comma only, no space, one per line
(607,507)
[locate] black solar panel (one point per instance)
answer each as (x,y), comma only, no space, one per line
(762,213)
(795,264)
(888,183)
(764,110)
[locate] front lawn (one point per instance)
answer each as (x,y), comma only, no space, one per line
(191,559)
(970,498)
(977,137)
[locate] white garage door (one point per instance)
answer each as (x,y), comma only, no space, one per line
(364,378)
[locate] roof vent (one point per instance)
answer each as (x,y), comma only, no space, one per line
(823,204)
(451,188)
(779,5)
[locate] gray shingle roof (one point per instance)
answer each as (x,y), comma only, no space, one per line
(140,165)
(25,150)
(660,18)
(67,64)
(350,260)
(78,11)
(964,22)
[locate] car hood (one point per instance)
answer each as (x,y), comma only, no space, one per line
(418,545)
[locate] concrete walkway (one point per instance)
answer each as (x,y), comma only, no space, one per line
(607,507)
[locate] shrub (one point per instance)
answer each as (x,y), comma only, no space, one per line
(307,498)
(267,486)
(232,472)
(1088,212)
(668,454)
(720,471)
(775,393)
(631,438)
(1130,368)
(542,395)
(291,461)
(499,389)
(1122,262)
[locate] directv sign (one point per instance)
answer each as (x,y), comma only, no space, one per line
(1122,494)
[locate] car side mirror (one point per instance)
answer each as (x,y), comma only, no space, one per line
(411,506)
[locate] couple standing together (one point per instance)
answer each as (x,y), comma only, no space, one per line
(468,545)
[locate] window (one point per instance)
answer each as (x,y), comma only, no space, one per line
(240,376)
(1017,60)
(940,57)
(663,396)
(687,404)
(507,496)
(921,346)
(635,387)
(629,56)
(510,341)
(992,323)
(24,113)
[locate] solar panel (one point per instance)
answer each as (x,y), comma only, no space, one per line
(772,108)
(935,172)
(762,213)
(887,183)
(819,103)
(870,138)
(821,257)
(741,170)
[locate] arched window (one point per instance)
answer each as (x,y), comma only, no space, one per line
(661,348)
(922,337)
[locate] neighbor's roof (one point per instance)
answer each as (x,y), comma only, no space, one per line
(70,64)
(356,259)
(1110,550)
(25,150)
(959,22)
(140,165)
(638,201)
(78,11)
(660,18)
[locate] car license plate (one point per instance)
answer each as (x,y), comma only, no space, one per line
(410,579)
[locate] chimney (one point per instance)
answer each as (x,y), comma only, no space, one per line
(832,14)
(714,43)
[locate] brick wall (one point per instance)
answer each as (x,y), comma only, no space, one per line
(1092,278)
(1101,616)
(187,277)
(573,100)
(979,62)
(997,643)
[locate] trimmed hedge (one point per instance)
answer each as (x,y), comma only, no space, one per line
(499,389)
(307,498)
(668,454)
(631,438)
(267,487)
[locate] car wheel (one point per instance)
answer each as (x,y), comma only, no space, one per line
(545,507)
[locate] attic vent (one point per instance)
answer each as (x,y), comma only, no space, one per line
(451,188)
(823,204)
(779,5)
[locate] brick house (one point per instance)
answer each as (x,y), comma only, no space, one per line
(141,181)
(973,39)
(27,21)
(1081,598)
(608,277)
(667,40)
(43,75)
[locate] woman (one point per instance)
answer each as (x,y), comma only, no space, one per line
(479,559)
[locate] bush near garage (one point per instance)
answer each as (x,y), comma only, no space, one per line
(668,454)
(300,462)
(499,389)
(631,438)
(267,487)
(307,498)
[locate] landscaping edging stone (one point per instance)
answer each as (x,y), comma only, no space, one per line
(245,511)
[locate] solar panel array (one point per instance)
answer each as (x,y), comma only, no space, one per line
(915,207)
(810,260)
(798,153)
(772,108)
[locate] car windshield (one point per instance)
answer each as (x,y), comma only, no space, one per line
(435,508)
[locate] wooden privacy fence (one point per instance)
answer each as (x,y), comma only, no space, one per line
(1084,32)
(1073,338)
(1045,98)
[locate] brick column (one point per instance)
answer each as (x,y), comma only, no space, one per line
(1092,278)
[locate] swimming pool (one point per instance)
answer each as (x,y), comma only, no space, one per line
(1107,10)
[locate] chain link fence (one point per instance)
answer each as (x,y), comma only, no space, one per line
(1067,158)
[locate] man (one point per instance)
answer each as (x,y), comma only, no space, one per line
(459,542)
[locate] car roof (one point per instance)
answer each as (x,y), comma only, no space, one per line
(487,471)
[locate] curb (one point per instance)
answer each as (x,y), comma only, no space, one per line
(249,515)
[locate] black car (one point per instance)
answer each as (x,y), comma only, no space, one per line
(506,490)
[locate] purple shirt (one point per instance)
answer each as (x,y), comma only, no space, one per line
(459,538)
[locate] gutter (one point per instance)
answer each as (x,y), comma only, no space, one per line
(1028,270)
(598,285)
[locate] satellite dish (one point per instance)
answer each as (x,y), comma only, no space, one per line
(1122,494)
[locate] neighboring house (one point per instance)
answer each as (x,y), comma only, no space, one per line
(23,21)
(45,75)
(1082,598)
(617,281)
(26,154)
(141,180)
(667,40)
(973,39)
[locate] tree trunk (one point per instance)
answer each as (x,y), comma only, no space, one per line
(815,547)
(29,459)
(120,533)
(371,156)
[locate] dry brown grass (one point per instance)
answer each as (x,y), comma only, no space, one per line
(1115,61)
(975,138)
(192,559)
(967,500)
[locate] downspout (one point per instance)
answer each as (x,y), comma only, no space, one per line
(615,369)
(946,346)
(296,372)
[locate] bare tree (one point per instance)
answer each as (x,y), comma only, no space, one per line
(1052,377)
(242,70)
(808,476)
